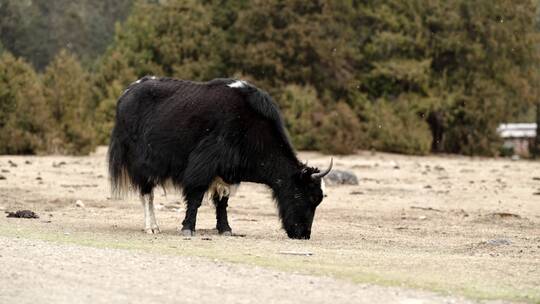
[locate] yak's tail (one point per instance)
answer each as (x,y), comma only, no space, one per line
(118,174)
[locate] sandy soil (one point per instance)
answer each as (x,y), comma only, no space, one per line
(460,227)
(51,273)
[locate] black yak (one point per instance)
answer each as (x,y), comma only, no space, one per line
(202,136)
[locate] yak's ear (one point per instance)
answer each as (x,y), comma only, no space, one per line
(305,173)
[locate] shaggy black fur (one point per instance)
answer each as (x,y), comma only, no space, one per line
(190,133)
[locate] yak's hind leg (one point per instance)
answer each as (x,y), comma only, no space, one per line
(222,222)
(150,223)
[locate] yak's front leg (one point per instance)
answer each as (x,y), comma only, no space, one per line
(222,222)
(198,176)
(193,199)
(150,224)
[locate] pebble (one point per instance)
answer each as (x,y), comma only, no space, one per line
(79,203)
(498,242)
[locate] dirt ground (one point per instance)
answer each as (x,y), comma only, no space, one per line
(415,230)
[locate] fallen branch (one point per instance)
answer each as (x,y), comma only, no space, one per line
(426,208)
(304,253)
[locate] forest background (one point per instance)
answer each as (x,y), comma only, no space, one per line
(405,76)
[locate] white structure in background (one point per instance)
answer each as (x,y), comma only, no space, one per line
(518,136)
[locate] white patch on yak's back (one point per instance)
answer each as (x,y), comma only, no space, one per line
(323,187)
(137,82)
(140,80)
(237,84)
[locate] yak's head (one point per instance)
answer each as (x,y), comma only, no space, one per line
(302,198)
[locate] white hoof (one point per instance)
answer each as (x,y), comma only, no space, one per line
(154,230)
(187,232)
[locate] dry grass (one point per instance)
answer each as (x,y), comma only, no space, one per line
(437,223)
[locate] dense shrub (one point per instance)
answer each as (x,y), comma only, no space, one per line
(67,92)
(24,116)
(396,128)
(340,131)
(303,115)
(114,75)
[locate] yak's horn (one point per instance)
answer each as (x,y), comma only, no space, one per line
(323,174)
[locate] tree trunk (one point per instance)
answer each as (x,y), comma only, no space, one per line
(536,148)
(436,124)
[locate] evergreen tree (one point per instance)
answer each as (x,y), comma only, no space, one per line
(112,78)
(67,92)
(24,117)
(463,66)
(38,29)
(303,42)
(173,38)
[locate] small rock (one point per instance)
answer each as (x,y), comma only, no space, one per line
(79,203)
(5,171)
(59,164)
(28,162)
(340,177)
(498,242)
(173,205)
(2,177)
